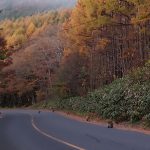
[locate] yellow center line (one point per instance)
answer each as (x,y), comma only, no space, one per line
(54,138)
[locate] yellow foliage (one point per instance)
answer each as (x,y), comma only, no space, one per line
(102,43)
(30,30)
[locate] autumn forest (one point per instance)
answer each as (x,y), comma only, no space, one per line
(99,45)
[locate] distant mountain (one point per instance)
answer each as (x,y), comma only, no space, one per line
(19,8)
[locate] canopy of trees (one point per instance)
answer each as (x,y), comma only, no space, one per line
(37,52)
(70,53)
(17,32)
(113,35)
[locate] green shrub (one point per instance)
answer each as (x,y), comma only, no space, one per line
(126,99)
(146,120)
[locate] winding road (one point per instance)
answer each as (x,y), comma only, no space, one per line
(30,130)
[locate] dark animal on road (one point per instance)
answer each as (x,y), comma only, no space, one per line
(87,118)
(53,109)
(110,124)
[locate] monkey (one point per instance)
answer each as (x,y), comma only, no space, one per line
(53,110)
(87,118)
(117,121)
(1,115)
(68,113)
(110,124)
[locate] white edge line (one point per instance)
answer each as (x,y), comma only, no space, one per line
(54,138)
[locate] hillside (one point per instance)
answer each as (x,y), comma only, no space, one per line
(18,32)
(18,8)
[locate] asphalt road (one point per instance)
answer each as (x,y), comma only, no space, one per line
(29,130)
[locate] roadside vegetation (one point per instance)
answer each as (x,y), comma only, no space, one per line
(125,99)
